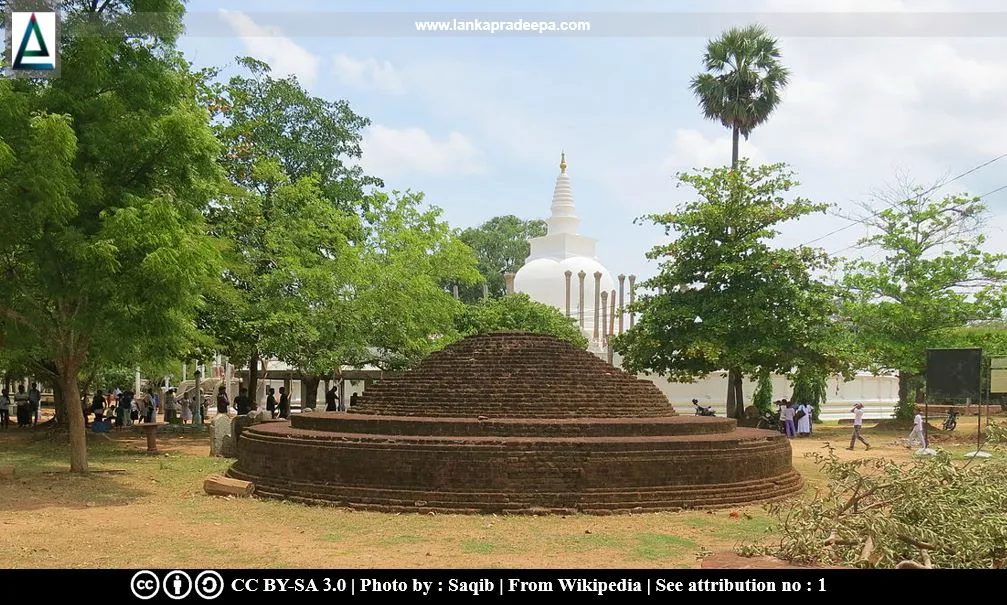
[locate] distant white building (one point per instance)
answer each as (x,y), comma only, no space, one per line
(563,271)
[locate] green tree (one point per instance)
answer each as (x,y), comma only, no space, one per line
(375,300)
(501,246)
(274,135)
(762,399)
(104,173)
(729,299)
(810,388)
(518,312)
(743,81)
(935,276)
(740,88)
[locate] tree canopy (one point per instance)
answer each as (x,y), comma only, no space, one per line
(104,174)
(935,276)
(501,246)
(724,297)
(518,312)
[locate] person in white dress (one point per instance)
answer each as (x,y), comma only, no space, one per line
(918,434)
(804,422)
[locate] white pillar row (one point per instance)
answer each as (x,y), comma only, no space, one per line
(580,305)
(632,299)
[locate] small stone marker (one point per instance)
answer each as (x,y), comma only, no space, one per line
(218,485)
(150,429)
(219,429)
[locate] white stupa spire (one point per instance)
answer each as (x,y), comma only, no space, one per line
(564,216)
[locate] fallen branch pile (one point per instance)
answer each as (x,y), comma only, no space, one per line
(929,512)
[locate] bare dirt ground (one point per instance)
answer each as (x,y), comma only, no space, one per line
(139,511)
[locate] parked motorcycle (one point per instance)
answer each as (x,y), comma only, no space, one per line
(703,411)
(952,420)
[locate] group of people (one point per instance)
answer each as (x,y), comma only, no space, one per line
(796,418)
(27,406)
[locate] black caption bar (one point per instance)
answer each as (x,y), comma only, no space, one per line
(267,586)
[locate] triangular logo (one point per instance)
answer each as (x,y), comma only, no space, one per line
(43,51)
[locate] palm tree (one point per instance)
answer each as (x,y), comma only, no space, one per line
(740,88)
(742,82)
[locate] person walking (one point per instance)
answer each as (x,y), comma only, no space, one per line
(803,416)
(918,433)
(35,401)
(222,402)
(243,403)
(21,405)
(284,407)
(4,409)
(271,402)
(858,423)
(787,415)
(331,397)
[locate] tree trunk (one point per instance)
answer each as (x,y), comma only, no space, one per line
(58,405)
(253,379)
(739,394)
(906,405)
(735,147)
(732,394)
(309,391)
(69,391)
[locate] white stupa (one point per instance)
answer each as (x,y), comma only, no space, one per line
(562,249)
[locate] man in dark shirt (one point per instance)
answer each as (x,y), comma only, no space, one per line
(331,397)
(242,402)
(284,403)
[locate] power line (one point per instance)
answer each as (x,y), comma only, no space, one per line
(983,196)
(860,221)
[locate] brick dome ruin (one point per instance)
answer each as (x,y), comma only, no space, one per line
(515,422)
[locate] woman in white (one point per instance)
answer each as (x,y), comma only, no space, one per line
(804,422)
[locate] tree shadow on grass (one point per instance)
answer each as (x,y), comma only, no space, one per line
(42,478)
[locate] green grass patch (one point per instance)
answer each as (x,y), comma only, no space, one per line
(662,546)
(399,540)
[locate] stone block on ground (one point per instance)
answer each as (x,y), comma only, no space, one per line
(217,485)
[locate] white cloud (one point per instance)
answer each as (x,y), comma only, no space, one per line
(269,44)
(391,152)
(367,73)
(691,150)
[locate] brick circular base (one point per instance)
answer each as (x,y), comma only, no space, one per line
(499,474)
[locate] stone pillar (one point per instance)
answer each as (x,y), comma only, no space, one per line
(604,318)
(509,282)
(597,302)
(197,405)
(580,306)
(454,290)
(568,274)
(622,300)
(185,369)
(632,299)
(228,379)
(486,292)
(136,381)
(611,315)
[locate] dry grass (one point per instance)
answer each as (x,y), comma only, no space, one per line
(150,511)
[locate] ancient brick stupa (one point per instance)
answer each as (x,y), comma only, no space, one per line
(514,422)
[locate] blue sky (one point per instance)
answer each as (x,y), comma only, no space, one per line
(478,122)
